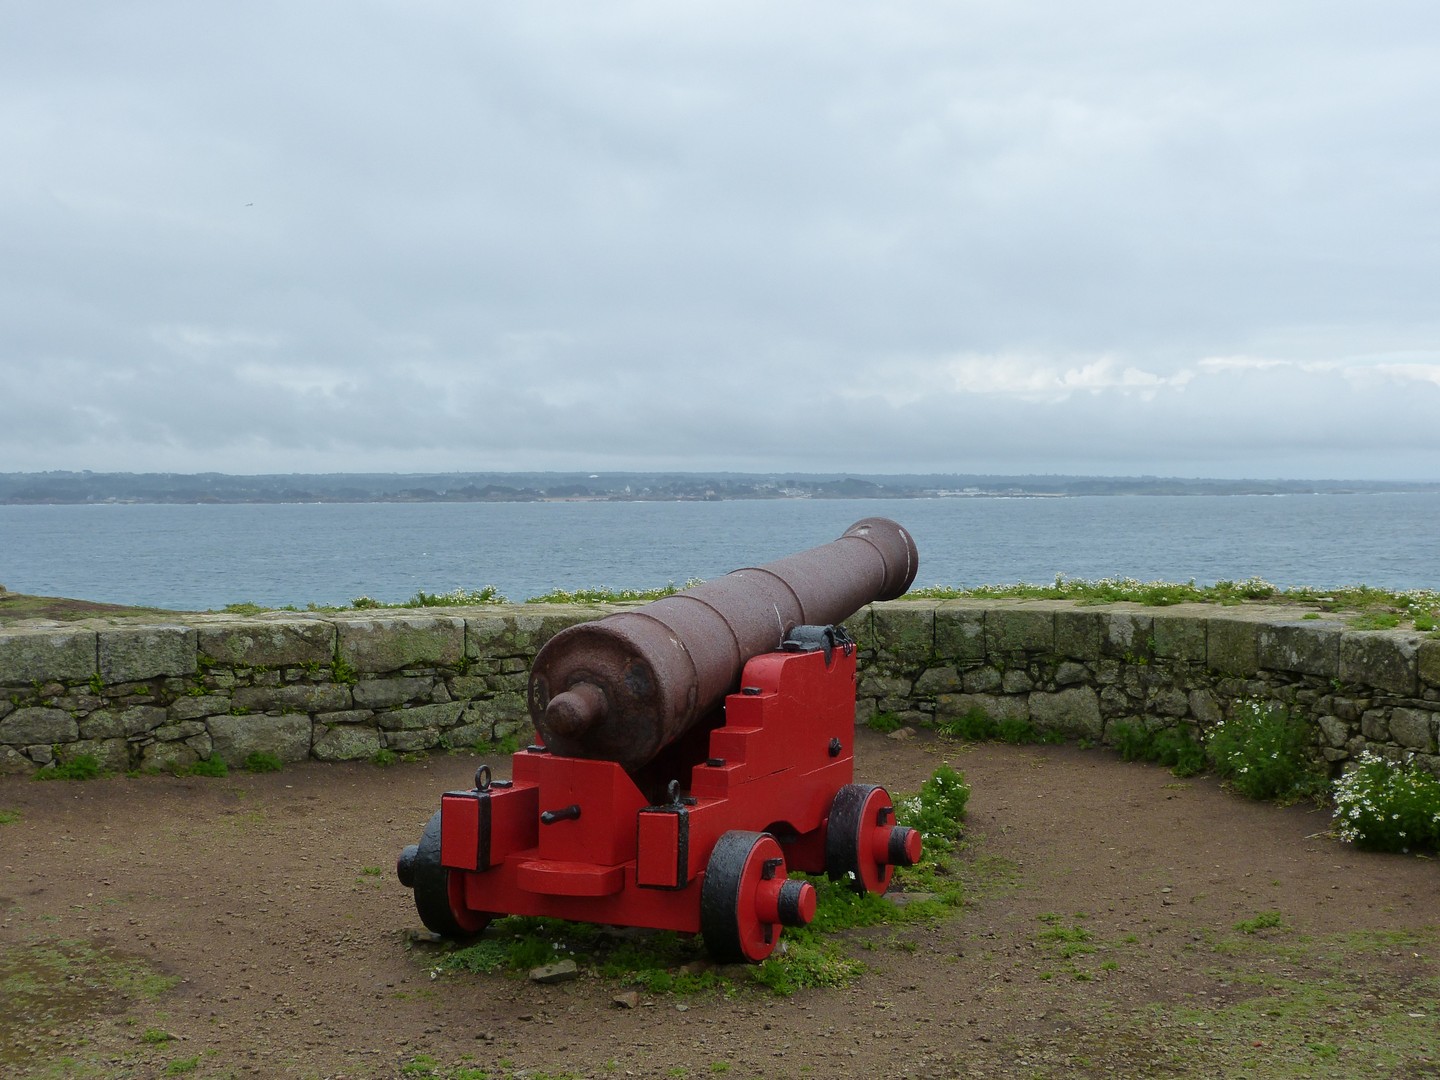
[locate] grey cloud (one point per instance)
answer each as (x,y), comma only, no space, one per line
(422,235)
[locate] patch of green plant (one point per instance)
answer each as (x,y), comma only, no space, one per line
(384,758)
(181,1066)
(840,907)
(1266,920)
(938,810)
(1375,620)
(209,766)
(457,597)
(1176,748)
(1109,591)
(1067,941)
(505,745)
(341,672)
(1015,731)
(9,817)
(517,943)
(973,725)
(243,608)
(1327,1021)
(80,767)
(156,1036)
(1420,605)
(97,684)
(808,962)
(48,985)
(487,594)
(262,762)
(884,723)
(1131,740)
(429,1067)
(1265,753)
(1383,805)
(611,596)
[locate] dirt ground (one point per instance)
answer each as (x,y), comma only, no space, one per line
(1120,922)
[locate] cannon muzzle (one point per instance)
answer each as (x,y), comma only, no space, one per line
(624,687)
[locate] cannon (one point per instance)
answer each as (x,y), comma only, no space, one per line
(690,753)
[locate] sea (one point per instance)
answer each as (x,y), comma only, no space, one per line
(204,557)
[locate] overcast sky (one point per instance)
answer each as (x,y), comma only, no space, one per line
(1029,236)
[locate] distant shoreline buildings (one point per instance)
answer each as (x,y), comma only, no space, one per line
(91,488)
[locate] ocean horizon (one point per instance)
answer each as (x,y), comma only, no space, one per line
(207,556)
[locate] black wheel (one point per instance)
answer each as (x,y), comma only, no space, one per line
(438,895)
(862,841)
(746,898)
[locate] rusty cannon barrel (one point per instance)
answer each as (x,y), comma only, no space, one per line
(625,686)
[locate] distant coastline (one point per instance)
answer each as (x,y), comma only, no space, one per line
(98,488)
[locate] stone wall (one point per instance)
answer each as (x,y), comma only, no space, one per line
(1080,670)
(333,687)
(347,686)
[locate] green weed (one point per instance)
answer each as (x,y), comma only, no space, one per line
(1068,941)
(1385,805)
(1266,920)
(1422,606)
(974,725)
(1375,620)
(9,817)
(505,745)
(611,596)
(809,962)
(487,594)
(262,762)
(1174,747)
(80,767)
(884,723)
(1265,753)
(938,811)
(210,766)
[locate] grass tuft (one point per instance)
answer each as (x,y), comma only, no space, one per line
(80,767)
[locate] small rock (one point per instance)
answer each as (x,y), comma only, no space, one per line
(423,937)
(560,971)
(629,999)
(900,734)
